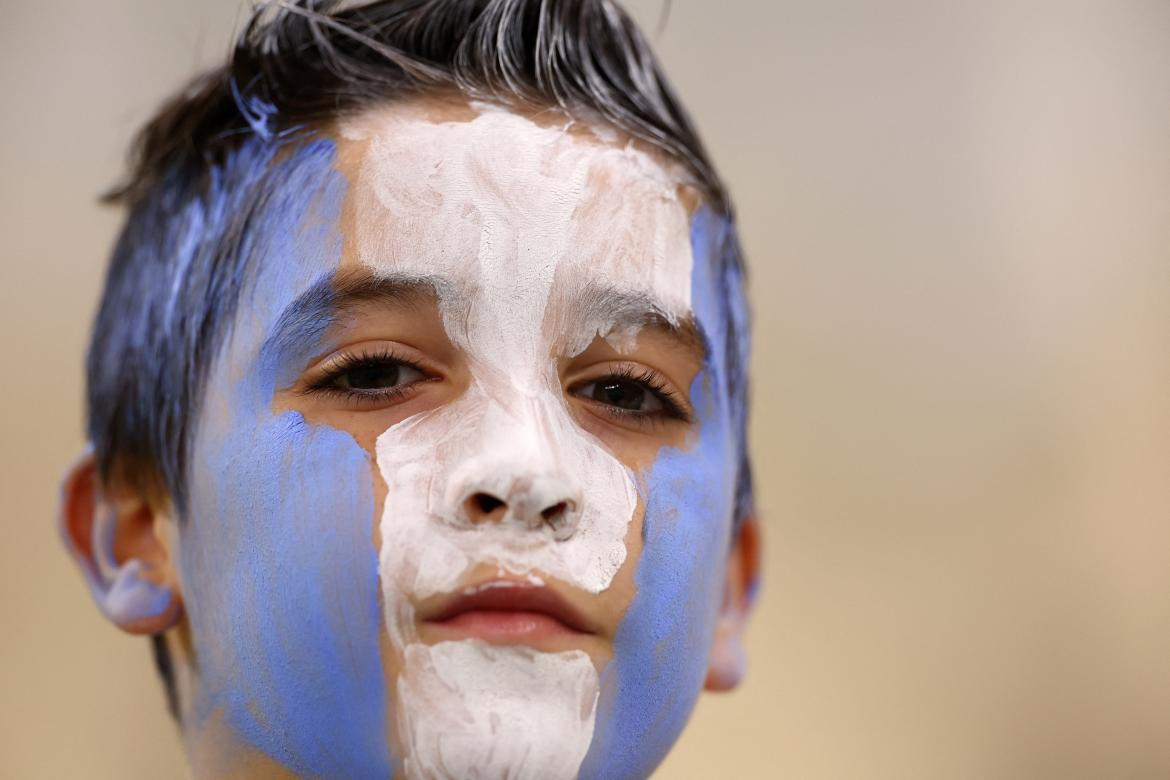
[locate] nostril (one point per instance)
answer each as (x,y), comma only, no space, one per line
(483,504)
(555,512)
(560,518)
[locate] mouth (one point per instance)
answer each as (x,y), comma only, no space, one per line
(505,612)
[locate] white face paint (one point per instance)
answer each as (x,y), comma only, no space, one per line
(514,222)
(474,710)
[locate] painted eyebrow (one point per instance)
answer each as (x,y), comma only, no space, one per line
(625,308)
(305,320)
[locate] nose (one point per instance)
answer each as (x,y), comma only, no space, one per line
(530,502)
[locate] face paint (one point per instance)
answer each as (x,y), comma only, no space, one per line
(455,693)
(661,650)
(534,239)
(132,596)
(516,224)
(278,564)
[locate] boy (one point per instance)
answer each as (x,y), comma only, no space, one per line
(417,400)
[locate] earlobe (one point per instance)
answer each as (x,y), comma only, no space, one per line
(124,563)
(727,664)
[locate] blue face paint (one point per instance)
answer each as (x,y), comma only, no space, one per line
(662,646)
(280,574)
(132,597)
(278,561)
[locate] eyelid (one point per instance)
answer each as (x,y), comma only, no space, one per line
(345,356)
(318,380)
(676,404)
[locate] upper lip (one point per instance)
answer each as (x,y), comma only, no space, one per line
(506,596)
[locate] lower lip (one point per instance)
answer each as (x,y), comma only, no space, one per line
(505,626)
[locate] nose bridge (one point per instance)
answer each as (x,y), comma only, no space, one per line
(519,471)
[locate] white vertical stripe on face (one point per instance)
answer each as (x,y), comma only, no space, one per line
(513,218)
(474,710)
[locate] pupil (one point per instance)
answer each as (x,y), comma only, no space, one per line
(375,376)
(623,395)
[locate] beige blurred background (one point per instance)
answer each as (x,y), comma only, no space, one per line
(958,221)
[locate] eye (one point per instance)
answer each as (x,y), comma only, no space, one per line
(372,375)
(633,395)
(367,380)
(622,394)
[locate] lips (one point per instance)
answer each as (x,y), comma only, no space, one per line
(505,611)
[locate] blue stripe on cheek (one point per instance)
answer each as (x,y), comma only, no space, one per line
(662,646)
(661,649)
(295,667)
(279,568)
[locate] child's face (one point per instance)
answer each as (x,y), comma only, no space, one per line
(463,481)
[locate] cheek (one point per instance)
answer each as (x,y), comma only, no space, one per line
(662,647)
(280,580)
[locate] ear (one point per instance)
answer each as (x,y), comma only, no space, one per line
(728,662)
(115,539)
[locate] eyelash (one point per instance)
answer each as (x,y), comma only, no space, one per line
(324,385)
(672,407)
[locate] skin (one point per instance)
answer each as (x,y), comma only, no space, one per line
(150,573)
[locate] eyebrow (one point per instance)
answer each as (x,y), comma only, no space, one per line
(304,322)
(639,310)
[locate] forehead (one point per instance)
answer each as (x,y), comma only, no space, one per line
(479,197)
